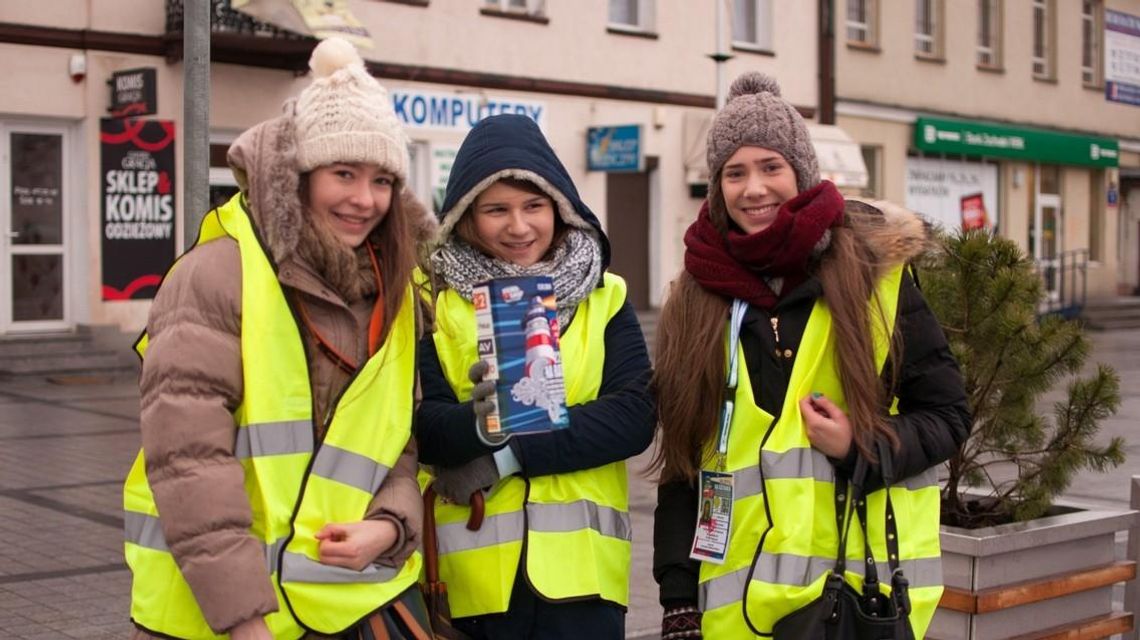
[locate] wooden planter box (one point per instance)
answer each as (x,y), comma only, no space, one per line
(1047,578)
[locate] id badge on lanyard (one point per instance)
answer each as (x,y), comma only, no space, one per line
(714,498)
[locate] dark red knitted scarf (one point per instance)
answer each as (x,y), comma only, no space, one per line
(735,265)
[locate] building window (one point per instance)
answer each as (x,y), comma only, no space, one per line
(928,28)
(634,15)
(1096,215)
(989,33)
(1044,38)
(1092,16)
(534,10)
(752,24)
(862,22)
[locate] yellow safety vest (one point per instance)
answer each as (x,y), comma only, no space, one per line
(295,484)
(790,555)
(575,526)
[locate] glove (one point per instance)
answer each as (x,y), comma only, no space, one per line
(481,401)
(681,622)
(458,483)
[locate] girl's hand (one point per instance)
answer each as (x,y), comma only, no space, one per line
(354,545)
(827,426)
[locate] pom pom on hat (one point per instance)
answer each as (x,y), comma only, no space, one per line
(333,55)
(753,82)
(344,115)
(756,115)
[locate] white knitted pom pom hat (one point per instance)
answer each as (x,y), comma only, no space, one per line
(346,116)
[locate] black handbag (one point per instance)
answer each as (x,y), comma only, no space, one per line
(841,612)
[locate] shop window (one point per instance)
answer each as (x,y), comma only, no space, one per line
(1044,38)
(872,156)
(989,34)
(863,23)
(222,183)
(1092,61)
(928,29)
(752,24)
(1096,215)
(1049,179)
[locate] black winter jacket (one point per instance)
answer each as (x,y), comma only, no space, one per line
(933,418)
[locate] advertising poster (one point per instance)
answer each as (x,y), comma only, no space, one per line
(942,190)
(137,217)
(974,212)
(1122,57)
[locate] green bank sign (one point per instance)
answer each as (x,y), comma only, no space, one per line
(982,139)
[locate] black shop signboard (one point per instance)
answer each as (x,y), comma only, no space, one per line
(137,190)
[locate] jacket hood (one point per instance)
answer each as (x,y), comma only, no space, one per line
(264,163)
(512,146)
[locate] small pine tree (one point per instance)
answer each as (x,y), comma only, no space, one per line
(986,294)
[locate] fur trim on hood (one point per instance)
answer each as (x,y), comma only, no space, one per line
(897,234)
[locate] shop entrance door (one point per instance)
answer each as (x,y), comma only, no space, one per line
(33,228)
(1046,244)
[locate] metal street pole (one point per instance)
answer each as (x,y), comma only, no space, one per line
(720,57)
(195,116)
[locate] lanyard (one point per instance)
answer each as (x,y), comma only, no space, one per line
(739,307)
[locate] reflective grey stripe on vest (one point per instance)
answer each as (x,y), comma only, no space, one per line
(274,439)
(795,463)
(578,515)
(799,571)
(146,531)
(350,468)
(296,567)
(497,529)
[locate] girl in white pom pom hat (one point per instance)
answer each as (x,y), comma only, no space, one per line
(275,494)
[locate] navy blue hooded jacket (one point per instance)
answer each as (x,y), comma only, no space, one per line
(615,426)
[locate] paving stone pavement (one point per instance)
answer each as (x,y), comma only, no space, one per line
(65,449)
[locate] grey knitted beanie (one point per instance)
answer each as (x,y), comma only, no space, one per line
(756,115)
(345,115)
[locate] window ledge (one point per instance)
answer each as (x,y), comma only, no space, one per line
(863,46)
(990,68)
(413,3)
(624,30)
(1093,86)
(514,15)
(929,57)
(1045,79)
(751,48)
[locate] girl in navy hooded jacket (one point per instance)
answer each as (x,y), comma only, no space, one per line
(512,210)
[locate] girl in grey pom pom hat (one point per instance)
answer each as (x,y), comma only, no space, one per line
(275,495)
(820,304)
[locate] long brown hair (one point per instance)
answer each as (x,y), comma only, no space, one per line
(690,389)
(395,240)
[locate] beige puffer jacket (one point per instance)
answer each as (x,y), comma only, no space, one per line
(192,382)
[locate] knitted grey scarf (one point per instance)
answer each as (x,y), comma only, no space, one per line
(575,266)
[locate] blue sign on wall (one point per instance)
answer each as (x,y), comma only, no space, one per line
(614,148)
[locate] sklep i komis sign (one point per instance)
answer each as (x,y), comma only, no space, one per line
(137,189)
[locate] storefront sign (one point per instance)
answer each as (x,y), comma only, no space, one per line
(458,112)
(940,135)
(952,194)
(133,92)
(614,148)
(1122,57)
(137,190)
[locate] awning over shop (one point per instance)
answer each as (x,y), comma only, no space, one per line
(316,18)
(942,135)
(840,158)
